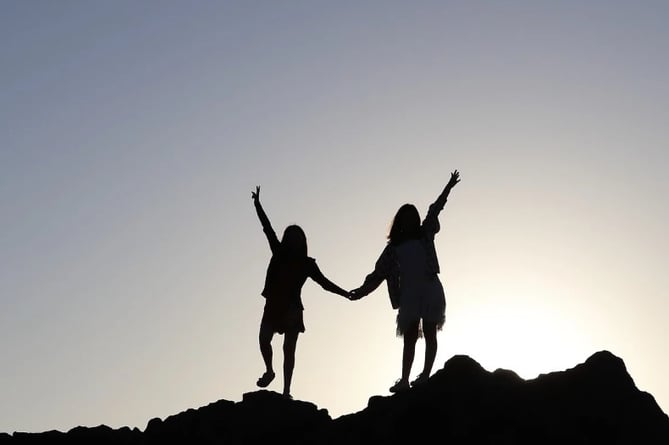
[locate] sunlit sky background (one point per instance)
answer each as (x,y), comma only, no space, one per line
(133,132)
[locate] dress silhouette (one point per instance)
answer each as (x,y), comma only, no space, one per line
(288,270)
(410,267)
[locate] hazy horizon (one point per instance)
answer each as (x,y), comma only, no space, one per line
(133,133)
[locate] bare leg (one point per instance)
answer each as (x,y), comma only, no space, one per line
(289,346)
(410,338)
(430,334)
(265,341)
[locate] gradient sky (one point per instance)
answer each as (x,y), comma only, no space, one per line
(133,132)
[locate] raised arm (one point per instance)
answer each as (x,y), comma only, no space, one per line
(431,221)
(274,243)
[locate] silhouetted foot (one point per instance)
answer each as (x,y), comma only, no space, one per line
(422,378)
(266,379)
(400,385)
(288,396)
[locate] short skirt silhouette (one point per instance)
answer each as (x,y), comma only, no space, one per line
(282,318)
(422,297)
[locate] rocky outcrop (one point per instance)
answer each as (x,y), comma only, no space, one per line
(594,402)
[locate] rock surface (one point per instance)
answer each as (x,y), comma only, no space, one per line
(594,402)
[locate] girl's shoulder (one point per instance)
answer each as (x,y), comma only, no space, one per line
(387,260)
(310,265)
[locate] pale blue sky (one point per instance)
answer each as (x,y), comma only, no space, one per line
(133,132)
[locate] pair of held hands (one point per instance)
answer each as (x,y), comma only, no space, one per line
(355,293)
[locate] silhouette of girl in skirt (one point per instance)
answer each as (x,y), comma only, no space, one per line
(288,270)
(410,267)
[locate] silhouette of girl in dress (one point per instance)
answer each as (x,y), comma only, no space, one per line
(410,267)
(288,270)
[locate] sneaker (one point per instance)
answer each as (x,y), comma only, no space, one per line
(265,379)
(422,378)
(400,385)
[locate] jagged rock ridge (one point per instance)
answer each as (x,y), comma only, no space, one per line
(594,402)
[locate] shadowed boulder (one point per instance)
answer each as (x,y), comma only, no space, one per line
(261,415)
(594,402)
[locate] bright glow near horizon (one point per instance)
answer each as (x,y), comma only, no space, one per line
(132,134)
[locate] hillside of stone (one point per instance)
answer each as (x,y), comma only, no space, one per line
(462,403)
